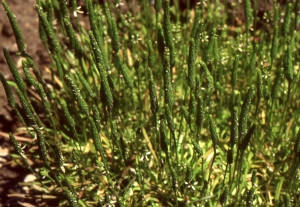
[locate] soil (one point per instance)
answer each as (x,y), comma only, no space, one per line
(11,174)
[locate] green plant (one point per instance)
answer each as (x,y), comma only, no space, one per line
(151,111)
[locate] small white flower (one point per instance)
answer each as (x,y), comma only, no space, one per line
(191,185)
(119,4)
(145,156)
(136,38)
(77,11)
(109,205)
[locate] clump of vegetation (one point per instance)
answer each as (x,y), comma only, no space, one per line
(154,110)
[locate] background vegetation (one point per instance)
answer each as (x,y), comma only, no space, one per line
(160,108)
